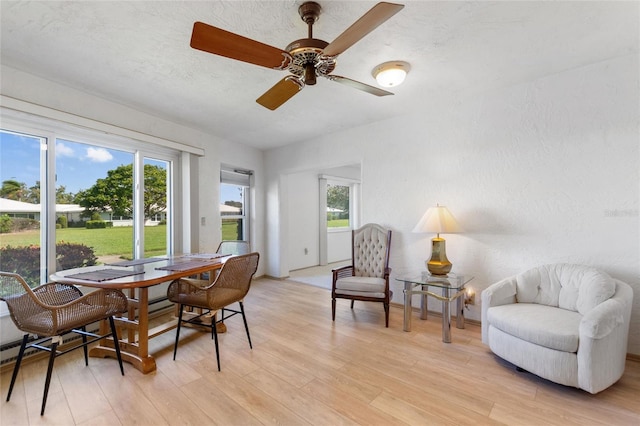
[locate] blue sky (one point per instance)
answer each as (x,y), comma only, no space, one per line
(78,166)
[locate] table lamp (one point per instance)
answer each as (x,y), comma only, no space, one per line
(438,220)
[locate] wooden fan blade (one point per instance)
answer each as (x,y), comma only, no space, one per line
(377,15)
(224,43)
(280,93)
(358,85)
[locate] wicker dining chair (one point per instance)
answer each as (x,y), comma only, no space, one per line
(51,310)
(230,286)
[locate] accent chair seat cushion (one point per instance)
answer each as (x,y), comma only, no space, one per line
(361,286)
(542,325)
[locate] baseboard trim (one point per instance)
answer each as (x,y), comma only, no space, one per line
(633,357)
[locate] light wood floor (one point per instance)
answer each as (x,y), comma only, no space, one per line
(304,369)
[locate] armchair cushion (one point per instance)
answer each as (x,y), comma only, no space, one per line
(572,287)
(361,285)
(542,325)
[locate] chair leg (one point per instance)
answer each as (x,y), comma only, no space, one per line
(352,303)
(116,343)
(333,309)
(215,338)
(17,366)
(246,327)
(52,358)
(175,346)
(386,314)
(84,345)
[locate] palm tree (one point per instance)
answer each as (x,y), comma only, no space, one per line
(13,190)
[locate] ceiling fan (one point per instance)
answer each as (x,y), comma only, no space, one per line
(305,59)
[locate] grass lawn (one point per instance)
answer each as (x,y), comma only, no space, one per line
(338,223)
(109,241)
(105,242)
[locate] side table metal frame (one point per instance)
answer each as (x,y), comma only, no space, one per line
(446,299)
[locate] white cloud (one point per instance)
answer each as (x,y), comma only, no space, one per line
(98,155)
(64,150)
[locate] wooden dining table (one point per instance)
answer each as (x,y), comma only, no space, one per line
(134,278)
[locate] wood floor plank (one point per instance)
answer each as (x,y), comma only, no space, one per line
(406,412)
(84,395)
(106,419)
(297,400)
(256,402)
(222,409)
(350,403)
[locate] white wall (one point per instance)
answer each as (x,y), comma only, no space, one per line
(303,224)
(303,195)
(542,172)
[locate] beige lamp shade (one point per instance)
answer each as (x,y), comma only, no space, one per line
(438,220)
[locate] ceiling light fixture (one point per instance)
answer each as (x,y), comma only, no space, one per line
(392,73)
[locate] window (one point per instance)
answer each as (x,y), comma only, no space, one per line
(338,205)
(94,204)
(234,204)
(21,231)
(157,229)
(88,198)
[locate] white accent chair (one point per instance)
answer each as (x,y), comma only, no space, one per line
(367,278)
(565,323)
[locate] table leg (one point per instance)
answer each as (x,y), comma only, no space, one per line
(135,353)
(407,306)
(446,316)
(423,305)
(460,313)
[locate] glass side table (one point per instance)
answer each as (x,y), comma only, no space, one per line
(451,288)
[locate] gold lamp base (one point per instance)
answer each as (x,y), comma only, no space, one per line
(438,264)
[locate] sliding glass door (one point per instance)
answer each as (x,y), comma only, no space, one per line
(86,200)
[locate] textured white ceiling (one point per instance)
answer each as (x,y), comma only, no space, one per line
(137,53)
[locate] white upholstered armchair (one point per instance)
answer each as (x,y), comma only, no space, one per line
(367,278)
(565,323)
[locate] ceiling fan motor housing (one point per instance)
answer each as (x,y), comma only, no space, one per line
(307,61)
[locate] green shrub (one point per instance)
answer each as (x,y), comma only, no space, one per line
(71,255)
(98,224)
(17,224)
(62,221)
(96,216)
(5,224)
(26,260)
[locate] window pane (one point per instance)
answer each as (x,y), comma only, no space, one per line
(156,176)
(94,204)
(232,211)
(19,205)
(232,229)
(337,206)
